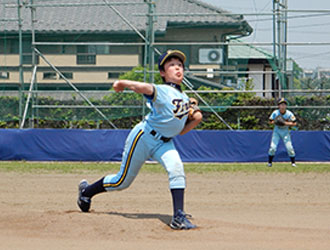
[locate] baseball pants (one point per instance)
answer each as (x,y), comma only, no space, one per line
(283,134)
(140,146)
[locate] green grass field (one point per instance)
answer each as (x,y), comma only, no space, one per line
(106,167)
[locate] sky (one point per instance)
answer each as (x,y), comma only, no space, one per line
(313,28)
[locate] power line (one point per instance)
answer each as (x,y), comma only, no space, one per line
(292,17)
(309,32)
(302,26)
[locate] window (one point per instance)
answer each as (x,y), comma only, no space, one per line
(69,49)
(112,75)
(86,49)
(49,76)
(53,49)
(14,46)
(3,47)
(4,75)
(102,49)
(86,54)
(93,49)
(67,75)
(86,59)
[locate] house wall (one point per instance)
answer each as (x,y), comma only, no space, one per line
(261,81)
(268,83)
(112,57)
(257,78)
(80,74)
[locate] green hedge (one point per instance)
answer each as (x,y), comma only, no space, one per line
(308,119)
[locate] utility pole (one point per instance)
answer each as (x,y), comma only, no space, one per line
(280,18)
(34,61)
(151,39)
(20,51)
(149,53)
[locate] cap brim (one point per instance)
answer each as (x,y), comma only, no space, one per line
(172,53)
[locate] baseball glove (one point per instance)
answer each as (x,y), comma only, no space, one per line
(279,120)
(193,107)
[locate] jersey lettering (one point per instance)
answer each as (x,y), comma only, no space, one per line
(181,109)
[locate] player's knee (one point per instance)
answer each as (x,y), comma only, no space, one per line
(290,149)
(291,152)
(124,185)
(115,183)
(272,151)
(176,175)
(175,169)
(120,187)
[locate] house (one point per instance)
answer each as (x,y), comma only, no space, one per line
(187,22)
(259,62)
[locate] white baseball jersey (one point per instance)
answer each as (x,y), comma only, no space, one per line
(169,110)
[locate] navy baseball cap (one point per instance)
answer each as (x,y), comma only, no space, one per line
(170,53)
(281,100)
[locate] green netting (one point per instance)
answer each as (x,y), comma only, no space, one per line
(127,109)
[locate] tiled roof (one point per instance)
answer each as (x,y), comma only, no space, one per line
(100,19)
(247,52)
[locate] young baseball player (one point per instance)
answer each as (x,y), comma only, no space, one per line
(152,138)
(283,119)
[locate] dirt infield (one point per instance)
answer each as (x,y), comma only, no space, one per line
(232,210)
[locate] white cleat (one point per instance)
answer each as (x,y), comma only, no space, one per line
(294,165)
(269,164)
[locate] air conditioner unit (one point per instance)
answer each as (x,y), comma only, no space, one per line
(210,56)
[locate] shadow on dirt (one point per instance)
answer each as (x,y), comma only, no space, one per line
(164,218)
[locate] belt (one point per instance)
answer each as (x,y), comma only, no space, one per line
(164,139)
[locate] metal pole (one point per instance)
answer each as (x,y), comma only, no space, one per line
(214,43)
(105,92)
(151,38)
(77,4)
(88,43)
(29,96)
(274,31)
(206,14)
(219,72)
(279,40)
(285,31)
(9,20)
(33,61)
(145,64)
(222,107)
(270,44)
(21,73)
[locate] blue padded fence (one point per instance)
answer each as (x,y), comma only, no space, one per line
(196,146)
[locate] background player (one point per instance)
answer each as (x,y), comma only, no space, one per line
(152,138)
(283,119)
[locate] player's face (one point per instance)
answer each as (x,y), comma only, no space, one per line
(173,71)
(282,107)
